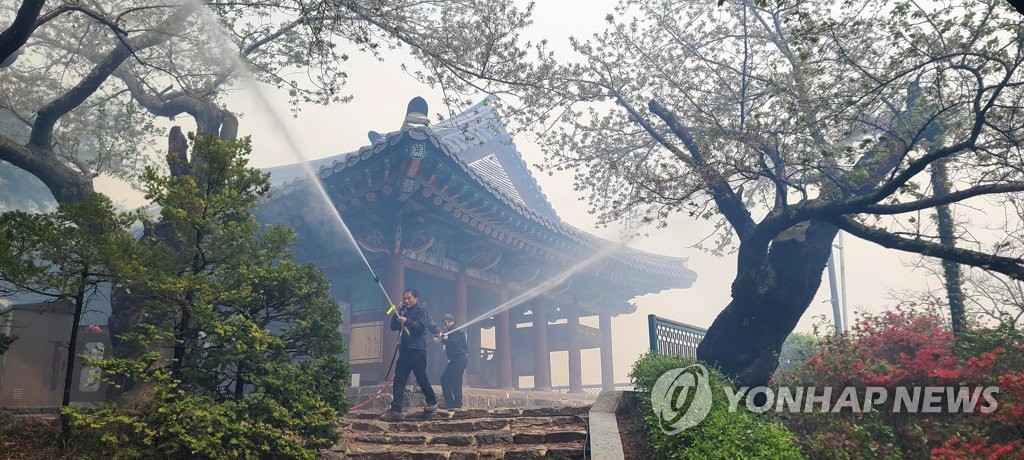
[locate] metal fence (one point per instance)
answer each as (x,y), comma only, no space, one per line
(673,338)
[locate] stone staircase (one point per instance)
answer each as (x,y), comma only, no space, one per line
(467,434)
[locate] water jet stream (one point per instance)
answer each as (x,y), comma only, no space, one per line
(545,286)
(239,66)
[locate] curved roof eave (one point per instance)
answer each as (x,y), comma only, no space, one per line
(667,268)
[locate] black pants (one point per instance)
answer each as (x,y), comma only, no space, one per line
(451,380)
(415,361)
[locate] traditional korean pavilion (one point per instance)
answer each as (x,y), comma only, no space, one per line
(452,211)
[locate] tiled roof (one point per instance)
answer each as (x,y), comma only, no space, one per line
(490,168)
(481,127)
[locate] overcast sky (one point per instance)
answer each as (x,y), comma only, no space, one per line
(381,93)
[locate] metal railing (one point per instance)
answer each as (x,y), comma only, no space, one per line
(674,338)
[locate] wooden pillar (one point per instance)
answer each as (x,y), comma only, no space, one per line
(541,353)
(575,367)
(474,366)
(503,343)
(607,369)
(461,306)
(395,282)
(461,313)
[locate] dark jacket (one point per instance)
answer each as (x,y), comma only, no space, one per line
(455,344)
(422,328)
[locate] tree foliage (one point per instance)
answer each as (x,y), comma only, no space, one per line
(93,76)
(59,254)
(239,353)
(783,123)
(65,256)
(772,113)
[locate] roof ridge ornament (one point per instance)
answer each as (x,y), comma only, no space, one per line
(416,113)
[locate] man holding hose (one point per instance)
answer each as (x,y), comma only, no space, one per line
(457,350)
(417,329)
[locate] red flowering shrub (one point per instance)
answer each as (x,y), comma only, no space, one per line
(912,347)
(977,448)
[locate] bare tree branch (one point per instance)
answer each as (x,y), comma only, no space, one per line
(46,118)
(1010,266)
(66,183)
(86,11)
(987,189)
(725,197)
(210,119)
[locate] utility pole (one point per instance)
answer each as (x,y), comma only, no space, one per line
(842,280)
(836,314)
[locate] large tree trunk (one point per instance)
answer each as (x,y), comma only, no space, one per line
(17,34)
(947,237)
(772,289)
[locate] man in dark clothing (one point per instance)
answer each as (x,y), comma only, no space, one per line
(416,330)
(458,356)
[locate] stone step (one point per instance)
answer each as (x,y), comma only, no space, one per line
(480,438)
(462,413)
(466,424)
(393,452)
(472,397)
(504,433)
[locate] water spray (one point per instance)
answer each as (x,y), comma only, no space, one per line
(545,286)
(211,24)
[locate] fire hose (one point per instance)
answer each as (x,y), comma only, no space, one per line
(387,383)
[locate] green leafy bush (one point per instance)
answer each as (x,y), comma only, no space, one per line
(235,352)
(797,348)
(722,434)
(173,423)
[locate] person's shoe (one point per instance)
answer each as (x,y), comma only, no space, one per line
(430,409)
(391,415)
(447,406)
